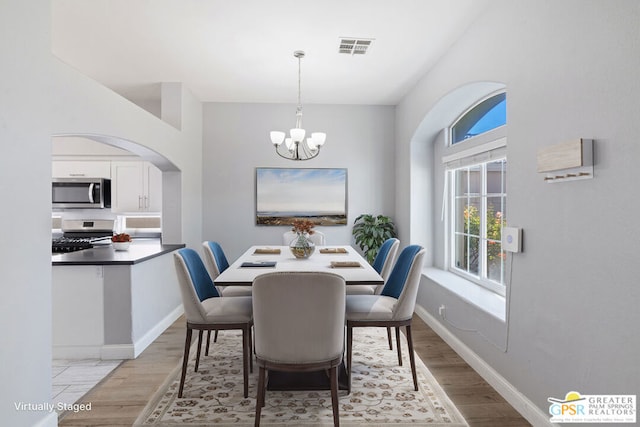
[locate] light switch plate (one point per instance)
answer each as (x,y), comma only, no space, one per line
(512,239)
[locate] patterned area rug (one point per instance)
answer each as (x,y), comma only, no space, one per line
(382,392)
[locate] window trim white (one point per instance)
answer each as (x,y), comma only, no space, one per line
(483,148)
(484,299)
(487,147)
(500,289)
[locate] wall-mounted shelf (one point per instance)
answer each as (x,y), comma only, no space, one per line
(567,161)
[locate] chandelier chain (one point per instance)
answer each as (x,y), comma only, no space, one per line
(299,85)
(299,108)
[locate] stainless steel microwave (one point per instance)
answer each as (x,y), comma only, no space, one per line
(81,193)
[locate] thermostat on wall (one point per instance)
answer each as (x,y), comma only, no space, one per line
(511,239)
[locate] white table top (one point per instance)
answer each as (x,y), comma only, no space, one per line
(285,261)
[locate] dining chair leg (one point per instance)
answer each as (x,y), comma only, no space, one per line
(198,350)
(206,351)
(250,353)
(349,355)
(334,396)
(389,338)
(398,345)
(260,396)
(245,360)
(412,358)
(266,383)
(185,360)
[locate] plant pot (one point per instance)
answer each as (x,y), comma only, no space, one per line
(121,246)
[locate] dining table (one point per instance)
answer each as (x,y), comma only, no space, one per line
(343,260)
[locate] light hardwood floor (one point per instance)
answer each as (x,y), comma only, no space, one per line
(120,397)
(478,402)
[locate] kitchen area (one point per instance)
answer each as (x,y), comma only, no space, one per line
(110,299)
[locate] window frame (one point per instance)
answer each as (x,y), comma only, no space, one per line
(450,129)
(481,149)
(482,278)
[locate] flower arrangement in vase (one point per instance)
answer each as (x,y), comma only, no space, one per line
(301,246)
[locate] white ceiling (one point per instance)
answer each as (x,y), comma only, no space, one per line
(242,50)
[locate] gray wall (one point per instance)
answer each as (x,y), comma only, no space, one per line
(25,306)
(236,141)
(570,70)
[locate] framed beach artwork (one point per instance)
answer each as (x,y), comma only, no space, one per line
(285,194)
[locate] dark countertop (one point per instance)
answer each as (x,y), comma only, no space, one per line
(139,251)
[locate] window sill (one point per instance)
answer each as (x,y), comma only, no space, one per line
(474,294)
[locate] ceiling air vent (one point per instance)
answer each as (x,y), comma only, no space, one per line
(354,46)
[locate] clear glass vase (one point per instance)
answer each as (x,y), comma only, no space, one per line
(301,246)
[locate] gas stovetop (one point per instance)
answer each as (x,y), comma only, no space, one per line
(70,244)
(82,234)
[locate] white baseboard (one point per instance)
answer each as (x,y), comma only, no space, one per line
(156,331)
(519,401)
(117,352)
(76,351)
(131,351)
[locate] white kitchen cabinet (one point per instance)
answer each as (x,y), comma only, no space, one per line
(78,313)
(113,311)
(135,187)
(81,169)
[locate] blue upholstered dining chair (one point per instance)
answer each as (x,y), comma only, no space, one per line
(205,310)
(216,262)
(386,256)
(383,264)
(392,308)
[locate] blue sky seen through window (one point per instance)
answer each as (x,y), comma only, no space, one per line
(489,114)
(497,116)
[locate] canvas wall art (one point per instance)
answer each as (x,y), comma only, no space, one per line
(285,194)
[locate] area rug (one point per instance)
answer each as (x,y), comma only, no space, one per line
(382,393)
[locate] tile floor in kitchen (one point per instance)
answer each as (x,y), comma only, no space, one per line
(72,379)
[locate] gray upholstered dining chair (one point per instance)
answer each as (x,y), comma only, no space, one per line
(317,238)
(206,311)
(299,326)
(392,308)
(216,262)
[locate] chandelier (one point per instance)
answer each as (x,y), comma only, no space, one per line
(295,147)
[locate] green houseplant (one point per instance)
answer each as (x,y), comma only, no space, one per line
(370,232)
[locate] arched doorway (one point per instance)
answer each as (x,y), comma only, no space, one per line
(171,178)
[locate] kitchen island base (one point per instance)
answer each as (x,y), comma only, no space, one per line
(112,311)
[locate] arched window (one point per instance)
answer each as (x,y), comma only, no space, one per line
(476,173)
(485,116)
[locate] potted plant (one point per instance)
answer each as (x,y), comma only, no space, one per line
(121,241)
(370,233)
